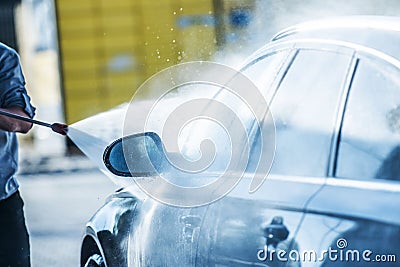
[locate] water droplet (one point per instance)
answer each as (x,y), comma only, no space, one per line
(179,57)
(167,59)
(158,37)
(148,28)
(181,9)
(158,56)
(146,43)
(172,29)
(173,41)
(174,13)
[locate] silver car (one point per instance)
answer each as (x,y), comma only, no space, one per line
(332,196)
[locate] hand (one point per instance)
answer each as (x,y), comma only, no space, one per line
(11,124)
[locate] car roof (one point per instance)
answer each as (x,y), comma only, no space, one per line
(381,33)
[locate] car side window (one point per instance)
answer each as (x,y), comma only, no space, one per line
(369,145)
(266,69)
(305,110)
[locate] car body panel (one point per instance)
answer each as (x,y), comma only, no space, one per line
(357,220)
(351,241)
(207,235)
(109,228)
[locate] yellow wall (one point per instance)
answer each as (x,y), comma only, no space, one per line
(109,47)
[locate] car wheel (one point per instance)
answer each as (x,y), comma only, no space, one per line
(95,260)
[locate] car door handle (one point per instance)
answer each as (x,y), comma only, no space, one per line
(275,232)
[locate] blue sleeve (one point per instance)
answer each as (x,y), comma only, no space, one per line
(12,82)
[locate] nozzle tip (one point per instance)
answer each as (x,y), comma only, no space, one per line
(60,128)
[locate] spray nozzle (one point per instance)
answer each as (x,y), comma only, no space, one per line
(60,128)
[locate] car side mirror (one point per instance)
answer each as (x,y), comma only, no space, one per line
(138,155)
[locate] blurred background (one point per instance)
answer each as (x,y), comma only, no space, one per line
(81,57)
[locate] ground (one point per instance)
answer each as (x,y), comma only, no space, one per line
(57,207)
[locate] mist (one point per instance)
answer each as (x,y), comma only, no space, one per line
(272,16)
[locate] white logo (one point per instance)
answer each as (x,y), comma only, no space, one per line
(208,116)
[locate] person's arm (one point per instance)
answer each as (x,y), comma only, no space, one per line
(13,95)
(14,125)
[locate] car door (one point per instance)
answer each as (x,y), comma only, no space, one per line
(229,232)
(355,218)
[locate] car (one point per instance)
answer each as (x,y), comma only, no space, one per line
(332,194)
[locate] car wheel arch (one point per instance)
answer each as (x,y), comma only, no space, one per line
(89,248)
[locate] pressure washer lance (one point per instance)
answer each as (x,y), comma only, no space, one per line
(56,127)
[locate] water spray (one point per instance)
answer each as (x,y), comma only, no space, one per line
(56,127)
